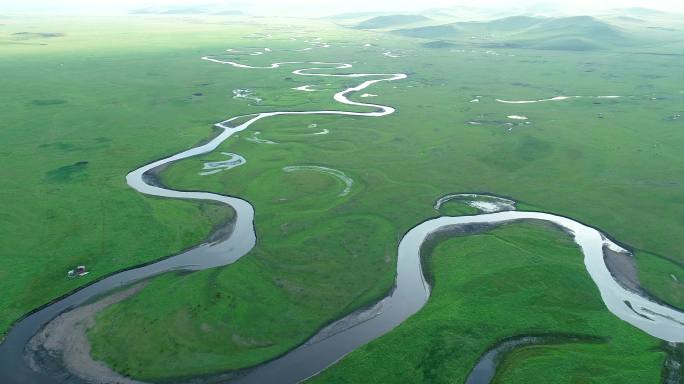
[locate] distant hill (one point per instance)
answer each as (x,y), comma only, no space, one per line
(506,24)
(447,31)
(641,11)
(565,33)
(578,26)
(464,12)
(630,19)
(391,21)
(353,15)
(465,29)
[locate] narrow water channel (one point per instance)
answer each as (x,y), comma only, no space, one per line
(343,336)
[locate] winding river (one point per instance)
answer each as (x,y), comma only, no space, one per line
(343,336)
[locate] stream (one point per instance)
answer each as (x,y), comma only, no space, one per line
(332,343)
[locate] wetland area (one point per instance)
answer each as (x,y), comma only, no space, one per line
(360,198)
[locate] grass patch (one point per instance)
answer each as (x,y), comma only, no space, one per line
(519,279)
(254,310)
(662,276)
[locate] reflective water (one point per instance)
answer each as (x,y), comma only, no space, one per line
(345,335)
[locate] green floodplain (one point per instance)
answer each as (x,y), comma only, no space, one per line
(536,277)
(84,101)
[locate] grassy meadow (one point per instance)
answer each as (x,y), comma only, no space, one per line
(82,109)
(520,279)
(79,112)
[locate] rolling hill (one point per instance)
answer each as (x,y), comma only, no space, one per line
(630,19)
(565,33)
(447,31)
(506,25)
(353,15)
(584,26)
(391,21)
(641,11)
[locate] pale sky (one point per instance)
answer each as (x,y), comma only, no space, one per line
(329,6)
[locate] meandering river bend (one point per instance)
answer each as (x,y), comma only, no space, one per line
(343,336)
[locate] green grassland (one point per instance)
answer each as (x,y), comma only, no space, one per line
(520,279)
(123,96)
(583,363)
(79,112)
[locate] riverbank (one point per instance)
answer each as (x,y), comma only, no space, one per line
(517,279)
(64,340)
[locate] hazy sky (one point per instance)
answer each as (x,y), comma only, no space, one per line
(329,6)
